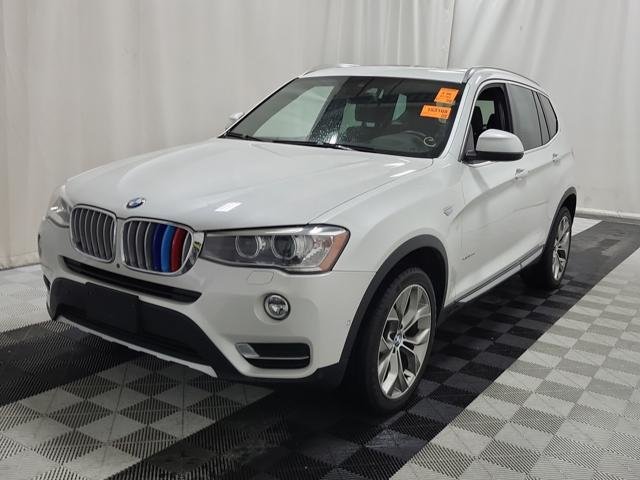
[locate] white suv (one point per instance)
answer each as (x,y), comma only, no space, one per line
(327,230)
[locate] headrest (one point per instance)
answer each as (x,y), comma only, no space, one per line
(476,120)
(371,110)
(493,122)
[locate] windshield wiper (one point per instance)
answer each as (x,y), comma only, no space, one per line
(308,143)
(244,136)
(337,146)
(360,148)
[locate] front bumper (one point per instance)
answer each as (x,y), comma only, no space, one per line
(228,311)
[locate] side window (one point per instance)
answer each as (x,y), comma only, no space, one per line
(401,107)
(549,115)
(487,108)
(489,111)
(543,125)
(349,118)
(526,124)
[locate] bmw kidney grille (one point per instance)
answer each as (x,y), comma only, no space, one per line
(155,246)
(93,233)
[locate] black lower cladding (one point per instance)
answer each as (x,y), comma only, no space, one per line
(130,283)
(125,317)
(291,434)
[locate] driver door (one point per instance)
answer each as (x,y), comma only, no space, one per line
(494,221)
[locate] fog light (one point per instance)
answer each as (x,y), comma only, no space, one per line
(276,306)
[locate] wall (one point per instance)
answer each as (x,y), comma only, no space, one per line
(84,82)
(585,52)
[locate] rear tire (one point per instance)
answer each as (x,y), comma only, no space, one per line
(548,271)
(396,341)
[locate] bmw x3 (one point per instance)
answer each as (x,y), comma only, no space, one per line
(325,233)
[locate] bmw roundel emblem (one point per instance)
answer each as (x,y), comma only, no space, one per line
(136,202)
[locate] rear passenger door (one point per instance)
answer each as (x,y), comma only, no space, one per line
(536,182)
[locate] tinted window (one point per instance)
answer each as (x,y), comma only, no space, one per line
(487,108)
(525,116)
(543,124)
(549,115)
(490,111)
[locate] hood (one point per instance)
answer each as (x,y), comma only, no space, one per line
(228,183)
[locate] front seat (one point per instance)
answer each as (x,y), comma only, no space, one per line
(494,122)
(476,124)
(374,116)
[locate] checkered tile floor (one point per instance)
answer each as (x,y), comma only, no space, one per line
(522,384)
(569,407)
(102,423)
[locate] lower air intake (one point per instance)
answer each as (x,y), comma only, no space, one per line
(156,246)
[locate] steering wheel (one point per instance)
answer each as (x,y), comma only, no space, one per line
(427,140)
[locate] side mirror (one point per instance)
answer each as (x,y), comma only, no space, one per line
(498,145)
(233,118)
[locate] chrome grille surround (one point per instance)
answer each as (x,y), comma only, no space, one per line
(93,232)
(140,254)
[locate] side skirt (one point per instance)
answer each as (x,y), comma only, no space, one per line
(527,259)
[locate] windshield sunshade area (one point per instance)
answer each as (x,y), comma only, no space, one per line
(400,116)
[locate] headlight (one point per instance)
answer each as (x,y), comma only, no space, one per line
(313,248)
(59,211)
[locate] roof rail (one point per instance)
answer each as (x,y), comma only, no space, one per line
(323,66)
(470,71)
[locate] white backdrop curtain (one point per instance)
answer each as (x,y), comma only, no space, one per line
(585,52)
(84,82)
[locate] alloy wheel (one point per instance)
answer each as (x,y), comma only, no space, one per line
(404,341)
(561,248)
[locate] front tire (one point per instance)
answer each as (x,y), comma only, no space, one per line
(396,342)
(548,272)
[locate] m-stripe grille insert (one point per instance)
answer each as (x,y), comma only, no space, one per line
(93,232)
(155,246)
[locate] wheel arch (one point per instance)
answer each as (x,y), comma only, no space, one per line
(570,200)
(535,274)
(424,251)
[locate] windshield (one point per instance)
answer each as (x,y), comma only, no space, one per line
(386,115)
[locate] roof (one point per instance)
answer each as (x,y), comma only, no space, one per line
(402,71)
(454,75)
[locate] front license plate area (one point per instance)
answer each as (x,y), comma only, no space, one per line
(112,308)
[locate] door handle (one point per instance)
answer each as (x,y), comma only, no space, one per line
(521,173)
(555,158)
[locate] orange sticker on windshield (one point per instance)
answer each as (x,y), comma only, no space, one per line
(433,111)
(446,95)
